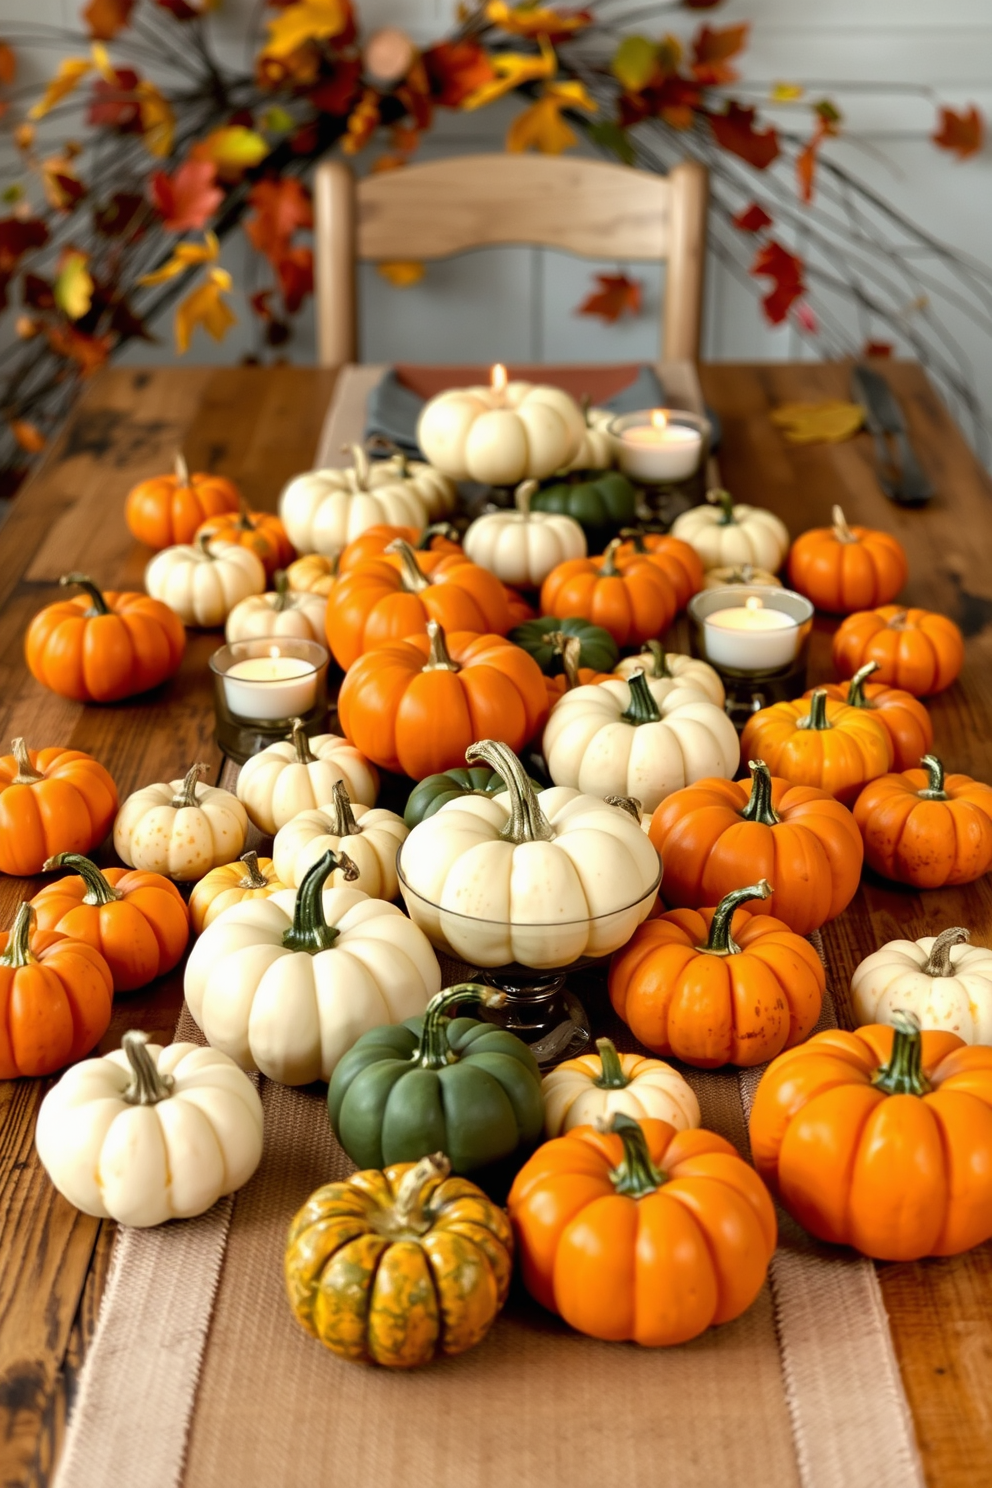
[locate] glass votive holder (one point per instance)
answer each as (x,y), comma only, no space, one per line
(757,638)
(665,450)
(261,686)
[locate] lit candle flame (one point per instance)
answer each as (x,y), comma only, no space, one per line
(659,419)
(754,603)
(498,378)
(274,650)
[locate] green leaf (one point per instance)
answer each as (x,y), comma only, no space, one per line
(634,63)
(611,137)
(276,120)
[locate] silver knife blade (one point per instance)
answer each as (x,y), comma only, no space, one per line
(884,417)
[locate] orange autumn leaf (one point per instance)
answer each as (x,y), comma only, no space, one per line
(206,307)
(541,127)
(536,20)
(28,436)
(735,131)
(158,122)
(712,50)
(961,133)
(401,274)
(8,63)
(280,208)
(511,69)
(185,256)
(63,188)
(455,70)
(88,352)
(104,18)
(70,73)
(828,119)
(188,198)
(617,296)
(309,20)
(363,121)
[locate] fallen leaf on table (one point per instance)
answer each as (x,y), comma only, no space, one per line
(400,273)
(827,422)
(617,295)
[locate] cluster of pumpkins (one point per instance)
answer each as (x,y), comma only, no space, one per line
(305,968)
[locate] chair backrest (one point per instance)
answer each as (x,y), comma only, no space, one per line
(586,207)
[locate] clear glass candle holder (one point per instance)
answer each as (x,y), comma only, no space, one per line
(261,686)
(761,665)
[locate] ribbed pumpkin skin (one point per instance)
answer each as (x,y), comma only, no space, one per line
(55,1010)
(262,533)
(399,1302)
(70,810)
(166,510)
(852,749)
(674,557)
(631,597)
(904,718)
(867,569)
(915,649)
(923,842)
(374,541)
(93,658)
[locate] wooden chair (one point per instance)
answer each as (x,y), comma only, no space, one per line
(587,207)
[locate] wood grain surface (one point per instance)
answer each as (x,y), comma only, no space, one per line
(259,427)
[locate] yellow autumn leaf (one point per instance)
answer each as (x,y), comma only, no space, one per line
(233,148)
(71,71)
(512,69)
(401,273)
(185,256)
(533,20)
(207,307)
(102,63)
(786,92)
(158,122)
(310,20)
(73,287)
(827,422)
(541,127)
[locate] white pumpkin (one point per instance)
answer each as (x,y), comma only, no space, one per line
(940,980)
(638,738)
(599,448)
(520,546)
(656,663)
(147,1134)
(536,877)
(599,1085)
(723,533)
(298,773)
(180,828)
(436,491)
(324,510)
(369,836)
(281,612)
(501,434)
(203,581)
(740,573)
(287,984)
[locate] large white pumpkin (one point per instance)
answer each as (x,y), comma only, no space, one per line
(940,980)
(323,510)
(538,877)
(638,738)
(501,434)
(594,1086)
(298,774)
(656,663)
(203,581)
(280,612)
(287,984)
(369,836)
(520,546)
(180,828)
(723,533)
(148,1134)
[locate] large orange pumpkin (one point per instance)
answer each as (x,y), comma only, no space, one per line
(718,986)
(55,999)
(440,537)
(915,649)
(842,568)
(168,509)
(903,716)
(262,533)
(390,598)
(631,597)
(415,707)
(716,833)
(99,647)
(676,558)
(640,1232)
(816,741)
(926,829)
(137,921)
(51,801)
(881,1139)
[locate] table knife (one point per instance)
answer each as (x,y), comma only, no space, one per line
(900,474)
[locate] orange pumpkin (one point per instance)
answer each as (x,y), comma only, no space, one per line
(390,598)
(417,706)
(137,921)
(55,999)
(674,557)
(640,1232)
(440,537)
(881,1139)
(903,716)
(99,647)
(716,833)
(816,741)
(718,986)
(915,649)
(168,509)
(262,533)
(631,597)
(51,801)
(926,829)
(251,877)
(312,574)
(843,568)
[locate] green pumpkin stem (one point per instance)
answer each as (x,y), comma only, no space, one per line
(309,931)
(245,523)
(408,1216)
(433,1051)
(759,807)
(148,1085)
(526,821)
(642,707)
(659,663)
(630,804)
(609,569)
(342,818)
(903,1075)
(26,772)
(98,890)
(254,878)
(438,657)
(414,582)
(635,1175)
(725,502)
(720,942)
(934,790)
(436,529)
(938,963)
(816,718)
(82,581)
(612,1077)
(635,536)
(856,687)
(298,734)
(18,950)
(187,791)
(280,581)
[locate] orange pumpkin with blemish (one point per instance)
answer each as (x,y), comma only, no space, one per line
(262,533)
(925,828)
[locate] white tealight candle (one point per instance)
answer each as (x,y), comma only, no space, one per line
(661,450)
(751,637)
(272,686)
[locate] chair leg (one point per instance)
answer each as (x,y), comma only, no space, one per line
(334,263)
(683,307)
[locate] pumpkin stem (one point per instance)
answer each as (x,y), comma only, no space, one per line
(742,575)
(842,532)
(523,495)
(635,1175)
(856,687)
(380,444)
(98,890)
(438,658)
(100,605)
(938,963)
(659,663)
(26,772)
(362,465)
(642,707)
(148,1085)
(935,783)
(759,807)
(609,569)
(187,793)
(725,502)
(433,1050)
(630,804)
(244,523)
(635,536)
(280,580)
(342,818)
(903,1075)
(408,1217)
(816,718)
(309,931)
(181,469)
(720,942)
(414,582)
(896,621)
(304,754)
(254,878)
(612,1076)
(18,951)
(526,821)
(203,541)
(569,648)
(436,529)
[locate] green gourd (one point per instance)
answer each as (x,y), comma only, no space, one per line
(598,650)
(435,791)
(599,501)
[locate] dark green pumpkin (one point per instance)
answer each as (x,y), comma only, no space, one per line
(437,1084)
(600,500)
(436,791)
(598,648)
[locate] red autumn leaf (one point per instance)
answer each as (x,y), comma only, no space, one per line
(701,4)
(806,168)
(786,271)
(124,215)
(37,292)
(963,133)
(712,51)
(259,302)
(116,105)
(305,139)
(735,131)
(617,295)
(455,69)
(752,219)
(337,95)
(8,63)
(18,236)
(877,349)
(128,325)
(188,198)
(295,273)
(88,352)
(281,206)
(28,436)
(179,9)
(104,18)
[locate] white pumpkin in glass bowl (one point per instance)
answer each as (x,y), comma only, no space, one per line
(638,738)
(324,510)
(203,581)
(657,664)
(725,533)
(521,547)
(941,981)
(180,828)
(297,774)
(279,612)
(367,835)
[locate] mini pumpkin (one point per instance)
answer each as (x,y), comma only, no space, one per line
(262,533)
(502,434)
(842,568)
(904,718)
(674,557)
(520,545)
(251,877)
(925,828)
(540,638)
(940,980)
(324,510)
(596,1086)
(657,664)
(451,785)
(51,801)
(180,828)
(816,741)
(297,774)
(312,574)
(280,612)
(740,573)
(168,509)
(55,998)
(203,582)
(439,537)
(631,597)
(599,448)
(724,532)
(367,836)
(915,649)
(599,503)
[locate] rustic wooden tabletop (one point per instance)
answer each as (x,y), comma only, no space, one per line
(260,426)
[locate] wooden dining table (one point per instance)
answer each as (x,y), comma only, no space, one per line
(260,426)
